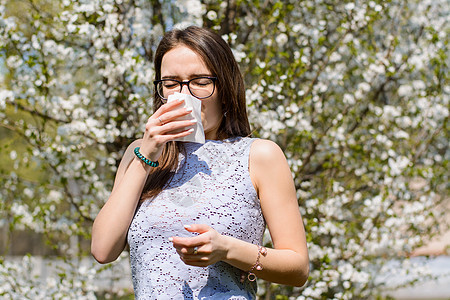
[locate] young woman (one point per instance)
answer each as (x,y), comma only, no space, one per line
(195,223)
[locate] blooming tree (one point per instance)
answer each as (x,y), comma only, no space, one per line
(354,92)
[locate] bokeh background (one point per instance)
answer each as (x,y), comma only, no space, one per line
(355,92)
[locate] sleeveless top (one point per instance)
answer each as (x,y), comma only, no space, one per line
(211,186)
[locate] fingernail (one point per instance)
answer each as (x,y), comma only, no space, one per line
(187,226)
(194,121)
(189,109)
(171,239)
(190,130)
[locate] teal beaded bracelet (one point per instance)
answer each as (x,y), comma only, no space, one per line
(153,164)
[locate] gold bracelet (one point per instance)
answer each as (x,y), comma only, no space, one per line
(251,276)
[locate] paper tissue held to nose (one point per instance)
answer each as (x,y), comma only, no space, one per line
(198,136)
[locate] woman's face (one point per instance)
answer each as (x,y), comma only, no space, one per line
(182,63)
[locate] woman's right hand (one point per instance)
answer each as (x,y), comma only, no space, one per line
(165,126)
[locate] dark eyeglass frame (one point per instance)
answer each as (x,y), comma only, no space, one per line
(181,83)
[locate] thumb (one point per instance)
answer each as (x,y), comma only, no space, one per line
(199,228)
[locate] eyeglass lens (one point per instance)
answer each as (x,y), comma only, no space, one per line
(198,87)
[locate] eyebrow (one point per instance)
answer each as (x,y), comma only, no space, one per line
(190,76)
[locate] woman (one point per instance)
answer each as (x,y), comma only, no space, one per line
(195,223)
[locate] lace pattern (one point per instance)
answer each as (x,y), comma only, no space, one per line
(212,186)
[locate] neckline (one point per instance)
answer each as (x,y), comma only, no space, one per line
(231,139)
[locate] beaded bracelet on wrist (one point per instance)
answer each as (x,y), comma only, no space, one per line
(147,161)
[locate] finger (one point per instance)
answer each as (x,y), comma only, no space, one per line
(176,126)
(189,251)
(195,257)
(202,262)
(182,251)
(195,240)
(188,242)
(170,117)
(199,228)
(173,115)
(162,135)
(167,107)
(170,137)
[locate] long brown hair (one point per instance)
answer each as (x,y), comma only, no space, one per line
(220,61)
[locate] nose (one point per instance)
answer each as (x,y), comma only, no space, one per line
(184,88)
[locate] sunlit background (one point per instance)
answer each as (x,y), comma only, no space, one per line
(355,92)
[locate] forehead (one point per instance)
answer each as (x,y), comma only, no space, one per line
(183,62)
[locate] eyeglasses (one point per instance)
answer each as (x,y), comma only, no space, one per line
(199,87)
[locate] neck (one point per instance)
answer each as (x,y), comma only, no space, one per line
(212,134)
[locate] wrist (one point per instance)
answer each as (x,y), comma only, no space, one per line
(151,154)
(231,248)
(144,159)
(142,164)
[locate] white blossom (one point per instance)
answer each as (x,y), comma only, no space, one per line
(281,39)
(212,15)
(348,113)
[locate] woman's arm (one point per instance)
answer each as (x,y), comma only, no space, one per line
(111,225)
(287,263)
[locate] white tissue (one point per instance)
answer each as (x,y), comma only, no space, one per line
(198,136)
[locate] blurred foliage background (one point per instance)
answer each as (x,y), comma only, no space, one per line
(355,92)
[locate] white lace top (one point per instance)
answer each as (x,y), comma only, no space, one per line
(212,186)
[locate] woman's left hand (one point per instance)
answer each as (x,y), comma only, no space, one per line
(202,250)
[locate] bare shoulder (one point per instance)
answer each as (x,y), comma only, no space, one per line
(265,152)
(270,172)
(130,149)
(267,161)
(128,156)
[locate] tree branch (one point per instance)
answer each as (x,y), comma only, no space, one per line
(37,113)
